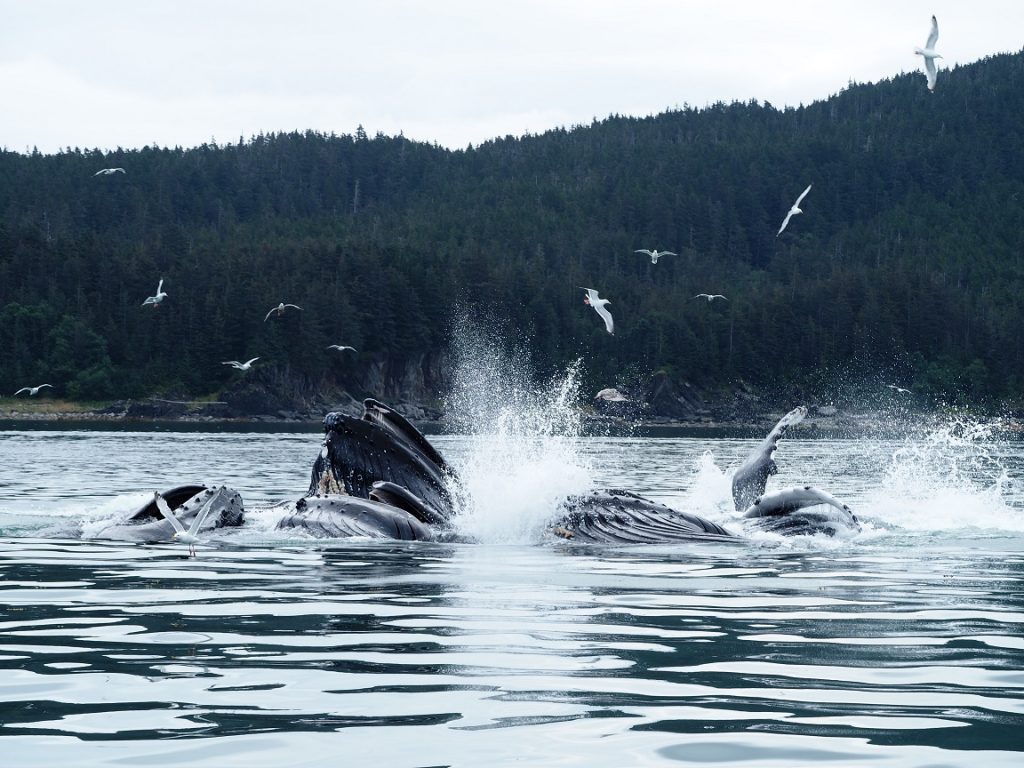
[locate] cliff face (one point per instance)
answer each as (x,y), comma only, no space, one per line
(413,385)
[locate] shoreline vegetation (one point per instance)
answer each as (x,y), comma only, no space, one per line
(906,269)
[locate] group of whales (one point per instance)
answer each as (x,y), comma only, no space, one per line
(378,477)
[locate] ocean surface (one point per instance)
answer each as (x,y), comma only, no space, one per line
(900,646)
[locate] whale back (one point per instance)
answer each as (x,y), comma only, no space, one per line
(749,481)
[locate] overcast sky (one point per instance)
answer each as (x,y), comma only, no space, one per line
(108,73)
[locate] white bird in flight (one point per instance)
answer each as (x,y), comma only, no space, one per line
(240,366)
(31,390)
(180,534)
(108,171)
(656,254)
(794,210)
(279,309)
(341,348)
(595,301)
(160,296)
(899,389)
(929,55)
(710,296)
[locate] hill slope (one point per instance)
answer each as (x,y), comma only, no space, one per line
(908,260)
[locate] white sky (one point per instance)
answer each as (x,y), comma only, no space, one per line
(108,73)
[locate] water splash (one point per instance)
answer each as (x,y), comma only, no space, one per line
(523,457)
(950,478)
(710,492)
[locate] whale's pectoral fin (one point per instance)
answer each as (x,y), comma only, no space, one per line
(801,510)
(397,496)
(749,481)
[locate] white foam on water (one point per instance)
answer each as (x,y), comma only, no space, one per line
(710,491)
(947,479)
(523,458)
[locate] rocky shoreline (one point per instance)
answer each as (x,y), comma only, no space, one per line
(660,404)
(822,420)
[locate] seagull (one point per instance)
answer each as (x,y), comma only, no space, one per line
(710,296)
(160,296)
(929,54)
(341,348)
(108,171)
(595,301)
(32,390)
(899,389)
(240,366)
(794,210)
(655,254)
(280,310)
(180,534)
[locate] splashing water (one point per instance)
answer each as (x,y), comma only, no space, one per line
(948,480)
(710,493)
(522,458)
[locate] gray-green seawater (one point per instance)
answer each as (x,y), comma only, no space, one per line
(902,646)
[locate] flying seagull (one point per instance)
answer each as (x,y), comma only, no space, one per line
(710,296)
(595,301)
(108,171)
(160,296)
(279,309)
(240,366)
(899,389)
(794,210)
(655,254)
(180,534)
(929,55)
(341,348)
(31,390)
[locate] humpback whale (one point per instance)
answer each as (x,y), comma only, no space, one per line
(146,524)
(378,476)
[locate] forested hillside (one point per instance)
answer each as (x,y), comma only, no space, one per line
(907,264)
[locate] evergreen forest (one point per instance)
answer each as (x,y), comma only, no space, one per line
(906,266)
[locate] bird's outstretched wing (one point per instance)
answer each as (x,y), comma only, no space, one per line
(609,323)
(231,362)
(668,253)
(802,196)
(930,72)
(933,36)
(293,306)
(45,385)
(785,222)
(644,250)
(23,389)
(272,311)
(251,362)
(200,518)
(165,510)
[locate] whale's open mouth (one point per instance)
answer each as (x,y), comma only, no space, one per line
(382,446)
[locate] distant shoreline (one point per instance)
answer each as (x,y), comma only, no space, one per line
(68,415)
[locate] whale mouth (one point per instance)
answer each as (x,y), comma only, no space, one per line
(379,446)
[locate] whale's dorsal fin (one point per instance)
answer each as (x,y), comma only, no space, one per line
(749,481)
